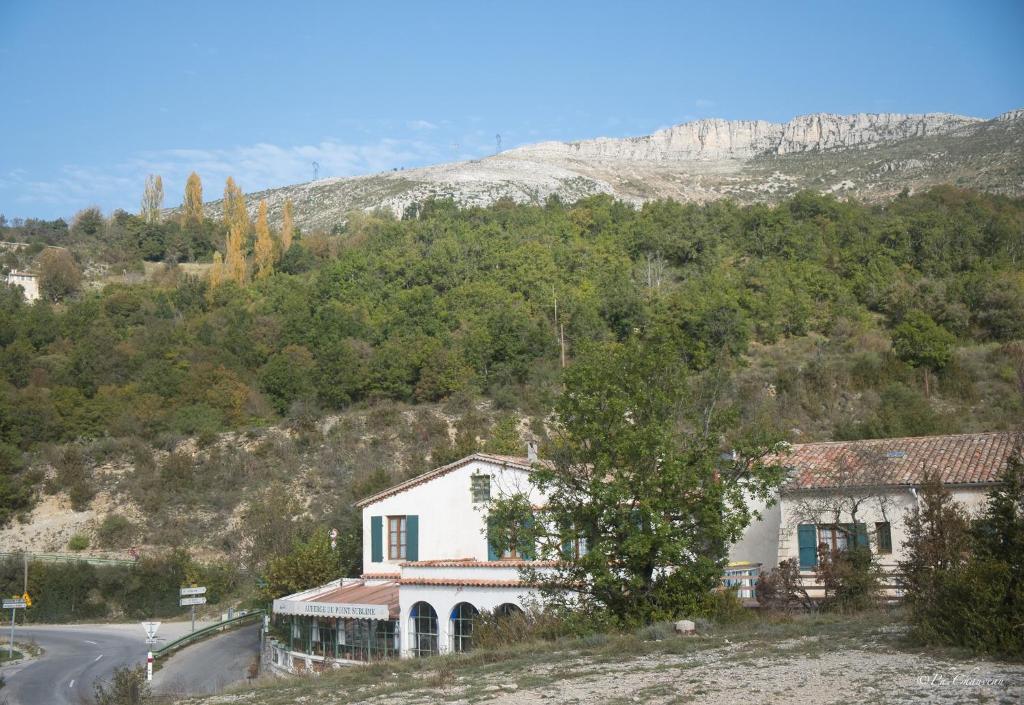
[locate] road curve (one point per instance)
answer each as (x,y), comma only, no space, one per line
(211,665)
(75,656)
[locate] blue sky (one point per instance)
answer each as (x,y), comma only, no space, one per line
(97,95)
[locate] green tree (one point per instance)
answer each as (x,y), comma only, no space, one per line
(310,563)
(288,377)
(59,276)
(921,342)
(639,482)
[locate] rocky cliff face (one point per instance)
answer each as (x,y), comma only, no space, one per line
(708,140)
(867,156)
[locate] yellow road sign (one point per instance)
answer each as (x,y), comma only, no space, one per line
(27,599)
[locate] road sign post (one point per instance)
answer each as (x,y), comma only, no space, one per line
(192,596)
(151,629)
(149,665)
(15,603)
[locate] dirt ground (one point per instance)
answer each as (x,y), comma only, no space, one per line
(867,666)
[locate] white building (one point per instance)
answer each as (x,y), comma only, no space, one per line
(429,569)
(28,282)
(840,493)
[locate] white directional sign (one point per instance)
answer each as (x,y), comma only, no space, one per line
(150,628)
(185,592)
(186,601)
(15,604)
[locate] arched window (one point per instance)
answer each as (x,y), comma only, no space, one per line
(463,615)
(423,620)
(507,609)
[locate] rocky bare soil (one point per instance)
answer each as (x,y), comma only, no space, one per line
(840,665)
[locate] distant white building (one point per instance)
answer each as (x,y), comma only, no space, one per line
(28,282)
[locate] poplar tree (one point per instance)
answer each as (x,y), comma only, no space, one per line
(236,218)
(287,227)
(152,199)
(217,271)
(264,243)
(193,205)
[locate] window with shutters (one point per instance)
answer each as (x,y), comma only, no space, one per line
(397,538)
(839,537)
(480,487)
(834,536)
(883,536)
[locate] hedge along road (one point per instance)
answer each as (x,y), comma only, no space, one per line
(75,656)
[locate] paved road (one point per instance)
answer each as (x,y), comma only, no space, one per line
(76,656)
(211,665)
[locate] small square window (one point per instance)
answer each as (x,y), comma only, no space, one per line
(480,487)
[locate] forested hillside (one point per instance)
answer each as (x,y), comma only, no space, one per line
(822,319)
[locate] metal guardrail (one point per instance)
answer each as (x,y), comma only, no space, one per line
(66,558)
(204,632)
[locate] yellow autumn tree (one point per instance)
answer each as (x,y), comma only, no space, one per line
(287,227)
(152,198)
(193,206)
(264,250)
(236,218)
(217,271)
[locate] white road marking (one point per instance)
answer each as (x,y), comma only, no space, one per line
(90,642)
(97,658)
(72,683)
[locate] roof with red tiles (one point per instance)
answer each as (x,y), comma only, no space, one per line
(965,459)
(473,563)
(361,594)
(505,460)
(463,582)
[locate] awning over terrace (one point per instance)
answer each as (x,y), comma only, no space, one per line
(356,599)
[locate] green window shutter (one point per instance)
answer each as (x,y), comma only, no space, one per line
(376,539)
(527,549)
(412,537)
(492,552)
(883,536)
(807,538)
(861,532)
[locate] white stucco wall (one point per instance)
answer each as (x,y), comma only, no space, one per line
(451,526)
(797,509)
(28,282)
(443,599)
(760,540)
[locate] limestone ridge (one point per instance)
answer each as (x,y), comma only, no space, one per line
(865,156)
(744,139)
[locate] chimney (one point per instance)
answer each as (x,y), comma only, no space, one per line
(531,450)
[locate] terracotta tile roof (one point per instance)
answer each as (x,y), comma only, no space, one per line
(462,582)
(380,576)
(362,594)
(507,460)
(966,459)
(473,563)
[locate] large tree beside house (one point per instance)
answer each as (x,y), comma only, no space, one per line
(642,504)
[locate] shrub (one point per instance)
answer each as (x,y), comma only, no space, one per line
(851,577)
(782,589)
(127,686)
(78,542)
(962,581)
(495,630)
(116,531)
(725,607)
